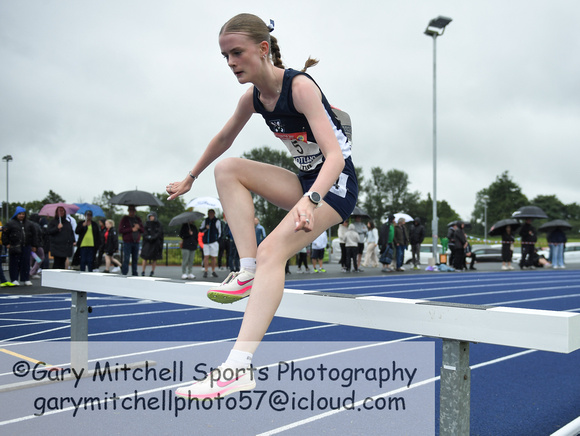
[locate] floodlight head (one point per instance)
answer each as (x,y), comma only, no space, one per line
(7,158)
(439,22)
(436,26)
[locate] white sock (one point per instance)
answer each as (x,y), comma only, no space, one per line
(239,359)
(248,263)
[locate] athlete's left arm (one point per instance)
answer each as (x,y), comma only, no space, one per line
(308,101)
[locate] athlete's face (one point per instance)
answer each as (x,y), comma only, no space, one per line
(242,54)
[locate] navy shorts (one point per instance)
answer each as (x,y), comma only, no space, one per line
(317,253)
(343,195)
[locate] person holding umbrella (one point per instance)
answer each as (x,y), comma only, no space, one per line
(557,241)
(188,234)
(507,248)
(529,238)
(322,195)
(131,228)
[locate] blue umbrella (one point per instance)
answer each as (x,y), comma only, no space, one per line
(84,207)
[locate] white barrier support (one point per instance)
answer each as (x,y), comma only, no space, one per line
(456,324)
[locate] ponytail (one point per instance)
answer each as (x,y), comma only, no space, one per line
(309,63)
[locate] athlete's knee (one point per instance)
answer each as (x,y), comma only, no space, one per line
(268,252)
(227,167)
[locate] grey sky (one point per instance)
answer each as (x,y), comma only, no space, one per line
(121,94)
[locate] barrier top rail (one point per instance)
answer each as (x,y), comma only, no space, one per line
(508,326)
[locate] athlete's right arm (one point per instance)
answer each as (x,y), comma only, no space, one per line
(218,145)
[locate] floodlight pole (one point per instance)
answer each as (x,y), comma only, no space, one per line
(7,159)
(435,28)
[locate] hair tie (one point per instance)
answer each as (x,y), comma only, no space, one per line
(271,25)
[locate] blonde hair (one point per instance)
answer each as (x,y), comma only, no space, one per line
(110,222)
(258,31)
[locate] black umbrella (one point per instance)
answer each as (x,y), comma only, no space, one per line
(555,224)
(467,226)
(529,212)
(499,227)
(358,212)
(136,198)
(185,217)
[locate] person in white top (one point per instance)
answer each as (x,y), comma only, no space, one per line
(371,258)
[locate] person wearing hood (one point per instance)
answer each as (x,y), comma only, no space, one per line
(19,237)
(62,238)
(89,241)
(152,249)
(416,238)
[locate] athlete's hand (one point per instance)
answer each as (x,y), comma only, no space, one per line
(303,213)
(176,189)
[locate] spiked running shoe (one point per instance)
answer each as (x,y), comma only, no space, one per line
(235,287)
(220,382)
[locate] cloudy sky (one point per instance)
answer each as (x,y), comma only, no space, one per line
(124,94)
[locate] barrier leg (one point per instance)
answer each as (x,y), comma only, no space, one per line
(454,397)
(79,331)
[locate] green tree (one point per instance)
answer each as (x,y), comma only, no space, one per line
(53,197)
(36,205)
(550,204)
(388,192)
(445,215)
(104,201)
(503,196)
(269,214)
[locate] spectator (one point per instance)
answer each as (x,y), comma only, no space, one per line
(460,243)
(342,228)
(371,259)
(152,249)
(469,253)
(211,229)
(538,260)
(318,247)
(386,238)
(416,238)
(188,235)
(401,241)
(76,254)
(224,244)
(89,241)
(101,245)
(351,239)
(529,238)
(131,228)
(557,242)
(507,248)
(3,281)
(62,239)
(36,259)
(260,231)
(302,259)
(110,246)
(451,237)
(362,230)
(19,237)
(234,256)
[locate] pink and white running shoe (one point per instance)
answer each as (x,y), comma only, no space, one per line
(220,382)
(235,287)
